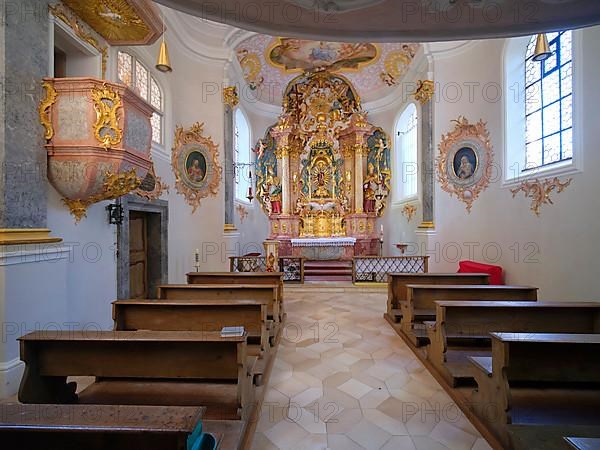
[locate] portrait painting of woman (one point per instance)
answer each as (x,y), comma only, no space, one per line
(465,163)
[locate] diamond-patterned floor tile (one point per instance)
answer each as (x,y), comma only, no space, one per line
(358,388)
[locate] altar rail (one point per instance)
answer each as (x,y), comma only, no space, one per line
(291,266)
(374,269)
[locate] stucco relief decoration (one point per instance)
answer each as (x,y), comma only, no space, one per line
(195,163)
(151,187)
(270,64)
(409,210)
(539,191)
(242,212)
(465,161)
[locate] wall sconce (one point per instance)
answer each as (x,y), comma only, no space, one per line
(115,214)
(250,195)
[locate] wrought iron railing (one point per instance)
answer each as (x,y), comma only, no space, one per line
(374,269)
(292,267)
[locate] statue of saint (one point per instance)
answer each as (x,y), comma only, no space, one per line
(370,185)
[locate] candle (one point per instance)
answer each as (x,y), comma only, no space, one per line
(197,255)
(381,228)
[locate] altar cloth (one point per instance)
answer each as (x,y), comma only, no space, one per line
(324,242)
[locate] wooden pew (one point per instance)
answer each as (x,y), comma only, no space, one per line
(238,278)
(174,315)
(538,378)
(461,329)
(160,368)
(548,437)
(225,292)
(100,427)
(397,283)
(208,316)
(420,303)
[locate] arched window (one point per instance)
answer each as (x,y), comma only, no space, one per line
(135,75)
(241,154)
(549,103)
(406,154)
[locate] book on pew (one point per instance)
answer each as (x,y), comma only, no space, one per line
(232,331)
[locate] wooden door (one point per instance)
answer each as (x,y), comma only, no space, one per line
(138,255)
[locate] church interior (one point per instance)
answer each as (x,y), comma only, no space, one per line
(299,225)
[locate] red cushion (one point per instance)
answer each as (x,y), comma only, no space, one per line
(495,272)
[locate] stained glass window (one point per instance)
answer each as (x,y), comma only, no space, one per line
(549,103)
(407,136)
(146,87)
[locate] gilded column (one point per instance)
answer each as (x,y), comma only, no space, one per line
(358,178)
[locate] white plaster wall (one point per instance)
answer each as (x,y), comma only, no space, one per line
(255,227)
(33,283)
(195,96)
(91,271)
(556,251)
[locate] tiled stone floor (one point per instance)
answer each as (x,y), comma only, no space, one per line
(343,379)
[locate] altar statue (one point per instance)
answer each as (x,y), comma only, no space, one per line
(370,185)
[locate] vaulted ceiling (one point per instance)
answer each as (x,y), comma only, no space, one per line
(269,64)
(395,20)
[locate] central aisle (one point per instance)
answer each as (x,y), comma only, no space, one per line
(344,380)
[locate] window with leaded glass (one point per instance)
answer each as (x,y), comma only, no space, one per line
(549,103)
(407,136)
(241,154)
(134,74)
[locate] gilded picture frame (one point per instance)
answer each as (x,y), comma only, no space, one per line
(464,163)
(195,163)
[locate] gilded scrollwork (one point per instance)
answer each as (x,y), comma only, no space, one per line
(425,91)
(152,186)
(195,163)
(465,161)
(44,109)
(539,191)
(409,210)
(230,96)
(115,185)
(108,107)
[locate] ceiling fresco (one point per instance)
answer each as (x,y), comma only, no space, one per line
(269,64)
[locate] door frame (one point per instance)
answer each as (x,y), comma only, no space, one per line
(158,254)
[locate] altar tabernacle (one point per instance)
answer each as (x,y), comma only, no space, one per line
(324,158)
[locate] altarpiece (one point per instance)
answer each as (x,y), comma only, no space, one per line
(323,171)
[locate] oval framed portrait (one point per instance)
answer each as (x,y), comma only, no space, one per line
(195,164)
(465,161)
(195,167)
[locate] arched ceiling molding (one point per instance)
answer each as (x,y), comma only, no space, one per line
(396,20)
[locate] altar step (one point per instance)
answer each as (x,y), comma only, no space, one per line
(328,270)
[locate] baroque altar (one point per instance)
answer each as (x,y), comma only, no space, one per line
(323,171)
